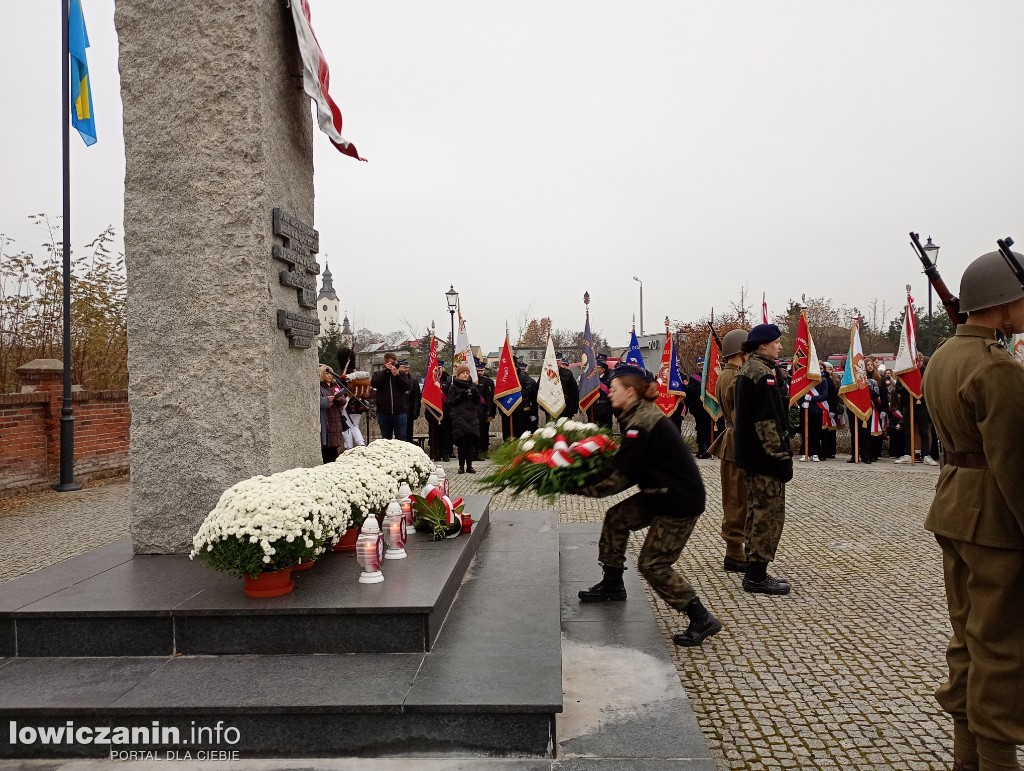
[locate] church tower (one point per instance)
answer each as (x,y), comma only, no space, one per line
(327,303)
(347,337)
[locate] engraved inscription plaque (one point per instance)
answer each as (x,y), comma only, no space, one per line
(302,331)
(301,242)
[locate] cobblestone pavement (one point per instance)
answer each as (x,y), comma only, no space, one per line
(837,675)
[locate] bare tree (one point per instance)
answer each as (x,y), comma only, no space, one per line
(742,308)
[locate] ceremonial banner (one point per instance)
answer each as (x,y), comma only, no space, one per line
(590,380)
(806,367)
(854,387)
(316,79)
(670,384)
(508,393)
(432,396)
(905,366)
(633,355)
(709,378)
(464,351)
(81,88)
(1018,348)
(764,310)
(549,388)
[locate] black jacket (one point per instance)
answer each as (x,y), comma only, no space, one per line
(571,392)
(762,420)
(392,391)
(653,456)
(415,399)
(464,410)
(486,388)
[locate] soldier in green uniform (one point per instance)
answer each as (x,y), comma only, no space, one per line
(734,484)
(761,441)
(653,456)
(975,394)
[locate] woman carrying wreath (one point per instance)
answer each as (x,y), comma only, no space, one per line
(653,456)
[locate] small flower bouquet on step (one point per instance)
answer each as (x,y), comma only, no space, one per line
(558,458)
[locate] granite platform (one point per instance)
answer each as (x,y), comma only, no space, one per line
(109,602)
(489,683)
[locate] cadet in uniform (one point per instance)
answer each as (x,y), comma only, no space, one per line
(761,442)
(975,394)
(487,407)
(734,484)
(654,457)
(600,412)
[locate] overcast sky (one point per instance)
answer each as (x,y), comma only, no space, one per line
(529,151)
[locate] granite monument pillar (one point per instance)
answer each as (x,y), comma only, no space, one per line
(220,256)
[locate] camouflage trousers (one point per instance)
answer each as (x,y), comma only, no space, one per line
(666,538)
(766,514)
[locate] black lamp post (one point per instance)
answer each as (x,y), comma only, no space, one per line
(453,305)
(641,283)
(932,250)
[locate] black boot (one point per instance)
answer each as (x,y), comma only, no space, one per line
(733,565)
(757,580)
(610,587)
(702,625)
(470,469)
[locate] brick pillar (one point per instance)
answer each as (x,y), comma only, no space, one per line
(47,376)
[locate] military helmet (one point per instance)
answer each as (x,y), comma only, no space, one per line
(732,343)
(987,282)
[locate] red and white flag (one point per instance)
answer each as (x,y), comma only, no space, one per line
(905,366)
(806,367)
(316,79)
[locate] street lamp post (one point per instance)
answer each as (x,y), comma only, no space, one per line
(453,305)
(932,250)
(641,283)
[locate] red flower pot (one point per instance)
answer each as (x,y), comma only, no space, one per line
(273,583)
(303,566)
(348,540)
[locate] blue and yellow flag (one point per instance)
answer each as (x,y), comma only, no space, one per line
(82,117)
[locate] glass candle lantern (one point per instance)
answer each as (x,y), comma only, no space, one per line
(370,551)
(442,480)
(394,532)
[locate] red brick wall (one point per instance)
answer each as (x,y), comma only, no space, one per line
(30,437)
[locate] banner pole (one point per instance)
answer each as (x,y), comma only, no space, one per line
(911,430)
(856,439)
(807,431)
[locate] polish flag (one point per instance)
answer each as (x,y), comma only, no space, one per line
(905,366)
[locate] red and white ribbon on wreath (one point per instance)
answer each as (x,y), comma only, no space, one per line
(588,447)
(450,515)
(562,455)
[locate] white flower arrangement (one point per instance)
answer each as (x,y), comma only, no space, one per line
(270,522)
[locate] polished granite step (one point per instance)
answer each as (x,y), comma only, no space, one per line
(109,602)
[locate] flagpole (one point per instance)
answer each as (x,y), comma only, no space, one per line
(856,438)
(911,427)
(67,420)
(807,430)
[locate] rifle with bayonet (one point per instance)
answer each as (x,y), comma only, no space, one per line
(949,301)
(714,334)
(1004,245)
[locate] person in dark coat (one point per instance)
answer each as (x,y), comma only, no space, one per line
(464,413)
(700,415)
(813,412)
(652,456)
(392,389)
(570,388)
(415,400)
(487,408)
(600,411)
(332,415)
(525,418)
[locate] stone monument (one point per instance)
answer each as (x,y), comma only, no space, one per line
(220,256)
